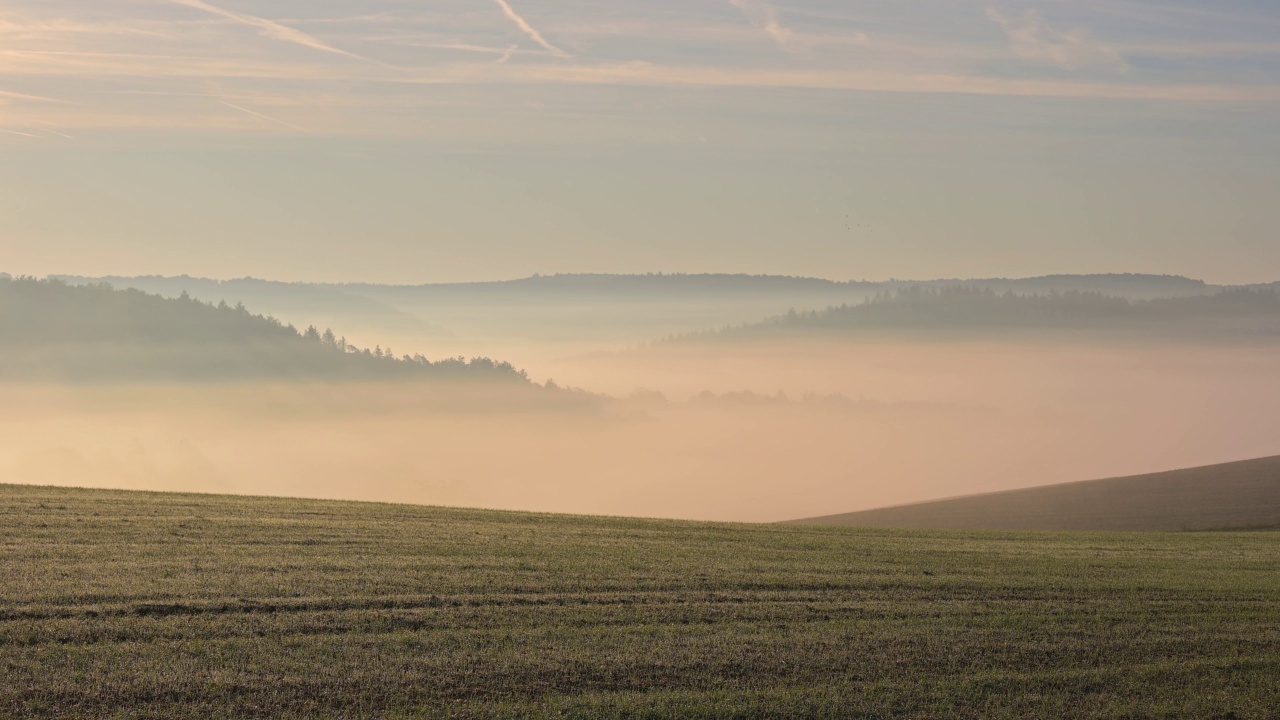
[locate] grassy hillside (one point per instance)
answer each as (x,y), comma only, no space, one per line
(1234,495)
(132,605)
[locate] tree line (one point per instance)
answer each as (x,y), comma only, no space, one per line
(52,328)
(1243,312)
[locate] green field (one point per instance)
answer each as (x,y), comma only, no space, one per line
(117,604)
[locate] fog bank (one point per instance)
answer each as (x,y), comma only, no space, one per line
(858,426)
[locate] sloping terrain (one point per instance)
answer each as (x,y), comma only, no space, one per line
(536,320)
(138,605)
(51,330)
(1250,315)
(1238,495)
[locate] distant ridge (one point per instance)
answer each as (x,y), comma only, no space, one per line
(1134,285)
(52,330)
(1236,495)
(352,295)
(1237,314)
(260,295)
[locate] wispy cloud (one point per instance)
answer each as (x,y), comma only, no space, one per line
(59,133)
(271,29)
(529,30)
(415,42)
(180,55)
(764,16)
(1202,49)
(1034,41)
(145,67)
(29,29)
(33,98)
(643,73)
(262,116)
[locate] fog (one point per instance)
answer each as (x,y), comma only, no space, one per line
(748,431)
(538,321)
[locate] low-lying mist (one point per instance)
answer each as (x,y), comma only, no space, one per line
(751,431)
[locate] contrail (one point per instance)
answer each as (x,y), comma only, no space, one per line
(20,134)
(264,117)
(272,29)
(506,56)
(37,98)
(59,134)
(529,29)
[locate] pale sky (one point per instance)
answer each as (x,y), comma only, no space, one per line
(441,140)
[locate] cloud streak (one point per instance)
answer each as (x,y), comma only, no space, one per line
(59,133)
(529,30)
(271,29)
(319,81)
(256,114)
(764,16)
(32,98)
(875,81)
(189,53)
(1034,41)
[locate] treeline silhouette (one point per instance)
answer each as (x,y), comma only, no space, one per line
(676,285)
(49,328)
(1244,312)
(264,295)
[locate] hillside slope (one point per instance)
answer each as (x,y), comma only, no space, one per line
(1243,494)
(51,330)
(1238,315)
(142,605)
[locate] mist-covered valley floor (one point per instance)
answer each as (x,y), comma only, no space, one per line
(762,426)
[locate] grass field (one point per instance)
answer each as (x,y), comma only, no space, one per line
(1242,495)
(118,604)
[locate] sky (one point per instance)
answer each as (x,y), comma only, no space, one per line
(412,141)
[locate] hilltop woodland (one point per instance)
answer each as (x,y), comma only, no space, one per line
(1239,313)
(52,330)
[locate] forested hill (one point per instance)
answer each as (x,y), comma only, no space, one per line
(280,298)
(376,300)
(1242,314)
(50,329)
(672,285)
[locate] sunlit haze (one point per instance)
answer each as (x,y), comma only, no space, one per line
(639,359)
(728,260)
(391,141)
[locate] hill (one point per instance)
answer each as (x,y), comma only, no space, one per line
(1133,286)
(265,296)
(1236,495)
(181,606)
(52,330)
(546,317)
(373,299)
(1241,314)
